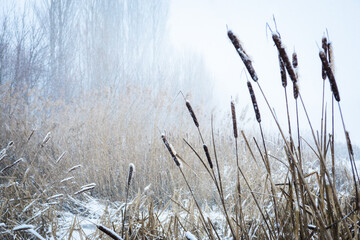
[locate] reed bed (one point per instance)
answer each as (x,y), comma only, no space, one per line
(194,178)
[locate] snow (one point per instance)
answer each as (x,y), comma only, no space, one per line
(33,232)
(74,167)
(23,227)
(190,236)
(55,196)
(66,179)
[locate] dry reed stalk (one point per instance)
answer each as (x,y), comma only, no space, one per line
(109,232)
(11,165)
(46,139)
(330,75)
(243,55)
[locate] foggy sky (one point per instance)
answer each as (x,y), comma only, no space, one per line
(201,26)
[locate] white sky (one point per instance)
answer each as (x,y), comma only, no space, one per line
(201,26)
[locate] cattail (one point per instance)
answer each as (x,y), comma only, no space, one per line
(253,99)
(330,75)
(10,144)
(243,55)
(284,57)
(294,60)
(131,171)
(295,84)
(208,156)
(325,48)
(233,114)
(191,111)
(108,232)
(349,142)
(296,90)
(170,149)
(282,72)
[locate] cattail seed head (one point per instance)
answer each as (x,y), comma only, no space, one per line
(206,150)
(284,57)
(253,99)
(348,141)
(294,60)
(191,111)
(282,72)
(131,171)
(296,90)
(233,114)
(330,75)
(325,48)
(170,149)
(243,55)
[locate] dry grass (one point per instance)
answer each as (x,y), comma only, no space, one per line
(224,183)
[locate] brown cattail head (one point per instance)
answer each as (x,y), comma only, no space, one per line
(253,99)
(131,171)
(233,114)
(191,111)
(206,150)
(325,48)
(348,141)
(243,55)
(330,75)
(284,57)
(282,72)
(294,60)
(296,90)
(170,149)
